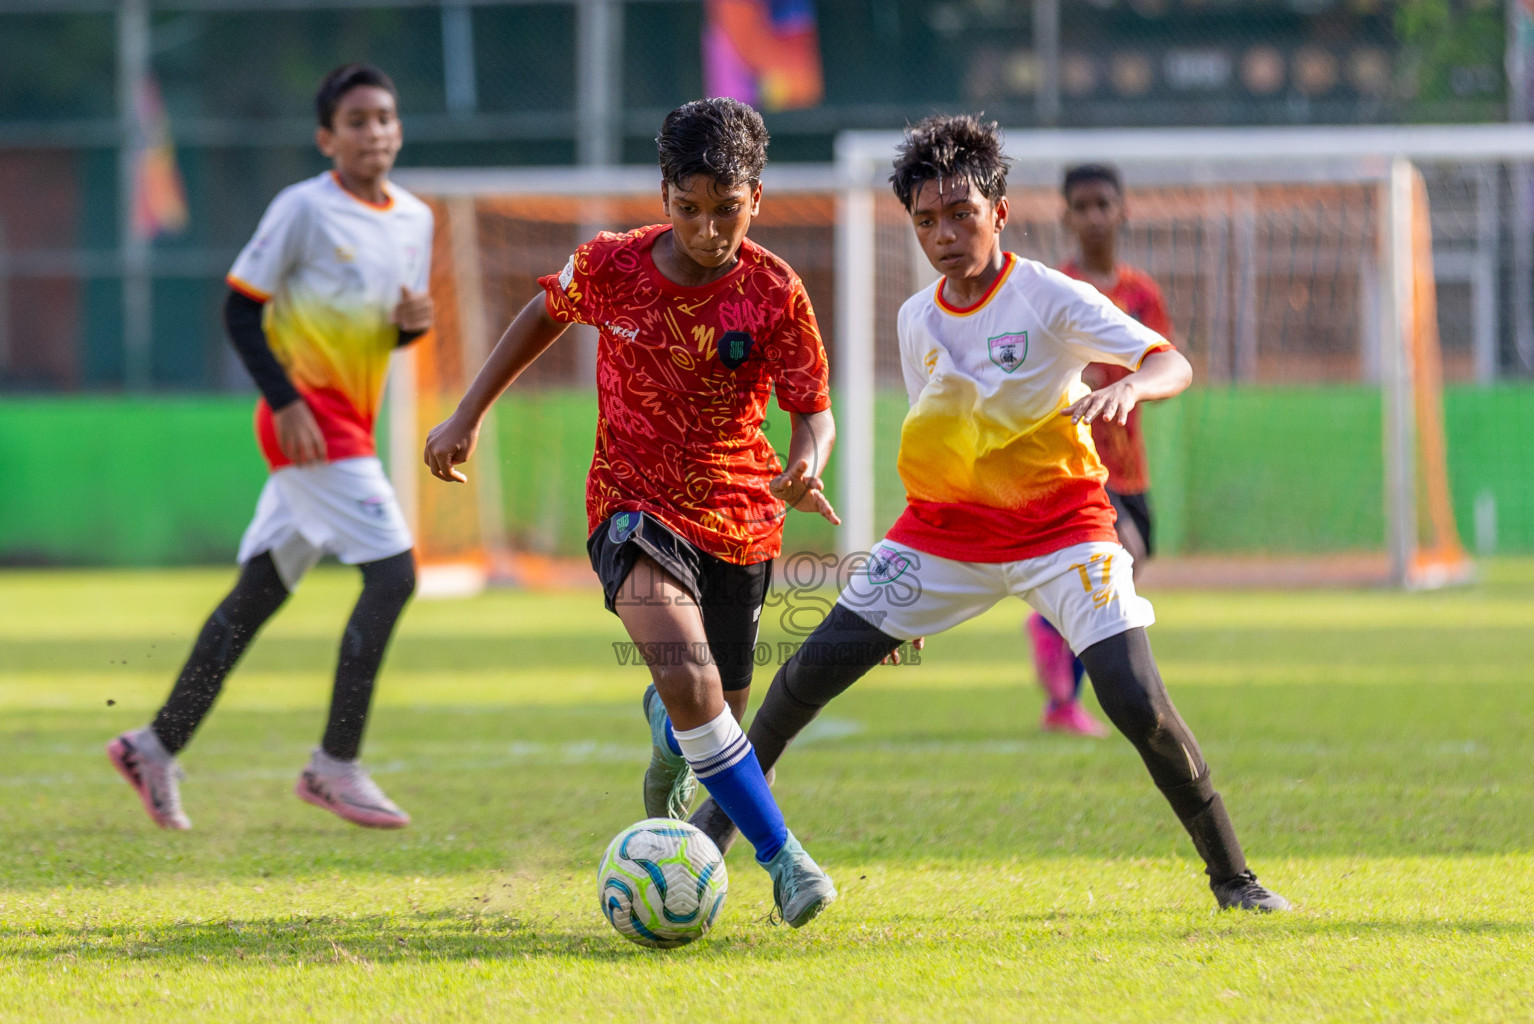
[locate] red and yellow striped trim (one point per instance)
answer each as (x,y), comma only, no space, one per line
(1008,262)
(387,204)
(1165,346)
(250,291)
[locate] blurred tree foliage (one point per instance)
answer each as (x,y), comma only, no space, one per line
(1451,54)
(54,66)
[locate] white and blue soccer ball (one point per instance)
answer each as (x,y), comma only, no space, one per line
(662,883)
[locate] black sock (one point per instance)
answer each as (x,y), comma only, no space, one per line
(1203,814)
(1129,687)
(386,586)
(257,594)
(840,651)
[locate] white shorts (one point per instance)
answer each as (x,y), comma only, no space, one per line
(1086,591)
(345,508)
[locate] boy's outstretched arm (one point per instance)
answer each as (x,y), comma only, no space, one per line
(800,485)
(452,441)
(1162,375)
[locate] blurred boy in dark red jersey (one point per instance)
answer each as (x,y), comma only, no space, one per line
(1095,212)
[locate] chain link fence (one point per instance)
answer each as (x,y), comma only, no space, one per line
(511,83)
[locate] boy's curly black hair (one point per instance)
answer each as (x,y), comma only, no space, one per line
(342,81)
(722,138)
(947,146)
(1083,173)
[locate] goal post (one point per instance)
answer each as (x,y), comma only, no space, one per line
(1296,259)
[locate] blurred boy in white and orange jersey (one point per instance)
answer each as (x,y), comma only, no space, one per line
(333,281)
(1004,490)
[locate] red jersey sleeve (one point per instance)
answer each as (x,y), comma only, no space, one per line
(798,357)
(1122,448)
(1153,312)
(573,296)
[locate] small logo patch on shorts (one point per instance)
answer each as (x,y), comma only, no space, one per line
(376,507)
(622,527)
(887,566)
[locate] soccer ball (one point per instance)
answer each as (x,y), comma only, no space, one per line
(662,883)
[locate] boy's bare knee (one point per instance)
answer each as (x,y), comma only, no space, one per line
(683,680)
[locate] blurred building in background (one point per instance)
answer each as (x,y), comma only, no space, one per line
(96,296)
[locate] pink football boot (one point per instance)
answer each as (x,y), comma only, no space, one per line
(344,789)
(1056,667)
(152,771)
(1072,718)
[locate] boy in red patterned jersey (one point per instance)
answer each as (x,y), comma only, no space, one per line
(685,498)
(1095,212)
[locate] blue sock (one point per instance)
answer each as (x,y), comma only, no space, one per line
(741,790)
(676,748)
(727,766)
(1077,667)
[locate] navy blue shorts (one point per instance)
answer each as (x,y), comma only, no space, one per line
(730,596)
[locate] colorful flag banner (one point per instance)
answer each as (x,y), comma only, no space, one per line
(159,197)
(763,52)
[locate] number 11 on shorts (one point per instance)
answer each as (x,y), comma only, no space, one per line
(1103,595)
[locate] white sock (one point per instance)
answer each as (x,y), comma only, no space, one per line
(150,745)
(327,764)
(714,746)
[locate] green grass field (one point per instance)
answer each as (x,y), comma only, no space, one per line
(1374,749)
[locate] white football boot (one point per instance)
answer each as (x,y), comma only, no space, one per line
(344,789)
(152,771)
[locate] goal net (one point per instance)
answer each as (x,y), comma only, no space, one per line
(521,518)
(1302,270)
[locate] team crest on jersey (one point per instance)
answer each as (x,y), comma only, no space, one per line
(622,527)
(735,348)
(1009,350)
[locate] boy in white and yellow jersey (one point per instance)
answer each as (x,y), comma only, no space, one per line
(1004,489)
(333,281)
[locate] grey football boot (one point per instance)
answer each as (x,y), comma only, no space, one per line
(669,783)
(1244,892)
(799,887)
